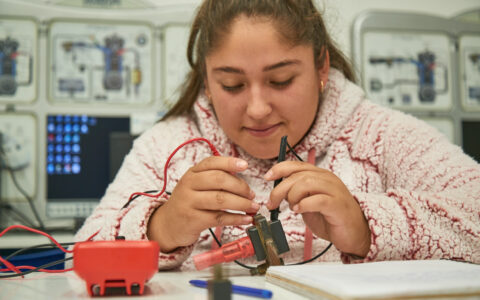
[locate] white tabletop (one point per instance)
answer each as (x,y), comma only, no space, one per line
(23,239)
(167,285)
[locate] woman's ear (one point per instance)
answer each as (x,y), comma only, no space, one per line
(323,69)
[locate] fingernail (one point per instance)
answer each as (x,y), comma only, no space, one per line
(252,194)
(255,206)
(268,204)
(295,208)
(241,163)
(268,175)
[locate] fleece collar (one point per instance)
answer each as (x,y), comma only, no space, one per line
(341,98)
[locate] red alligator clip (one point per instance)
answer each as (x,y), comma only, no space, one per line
(240,248)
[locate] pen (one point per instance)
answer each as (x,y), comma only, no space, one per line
(238,289)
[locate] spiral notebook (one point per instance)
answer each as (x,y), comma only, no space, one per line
(414,279)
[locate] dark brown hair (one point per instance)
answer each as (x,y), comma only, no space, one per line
(298,21)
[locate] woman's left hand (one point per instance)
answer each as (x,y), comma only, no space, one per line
(327,206)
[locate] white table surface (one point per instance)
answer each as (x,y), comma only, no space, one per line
(164,285)
(23,239)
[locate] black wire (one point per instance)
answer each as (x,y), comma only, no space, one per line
(313,258)
(294,153)
(138,195)
(330,245)
(299,263)
(20,216)
(4,165)
(29,199)
(50,264)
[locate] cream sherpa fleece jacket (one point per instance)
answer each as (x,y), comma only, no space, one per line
(419,193)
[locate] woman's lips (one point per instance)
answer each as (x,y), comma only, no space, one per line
(263,131)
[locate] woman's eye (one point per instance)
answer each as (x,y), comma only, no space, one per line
(281,83)
(232,88)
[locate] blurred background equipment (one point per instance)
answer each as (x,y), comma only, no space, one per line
(118,66)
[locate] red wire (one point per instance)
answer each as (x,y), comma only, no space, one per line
(36,231)
(11,267)
(93,235)
(41,270)
(212,147)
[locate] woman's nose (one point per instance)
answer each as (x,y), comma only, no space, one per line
(258,105)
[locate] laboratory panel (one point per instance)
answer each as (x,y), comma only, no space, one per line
(18,156)
(18,59)
(469,48)
(408,70)
(92,62)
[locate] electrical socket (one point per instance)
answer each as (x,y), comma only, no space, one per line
(18,154)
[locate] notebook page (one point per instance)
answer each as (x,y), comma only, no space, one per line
(386,279)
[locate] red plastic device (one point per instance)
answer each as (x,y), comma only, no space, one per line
(240,248)
(120,263)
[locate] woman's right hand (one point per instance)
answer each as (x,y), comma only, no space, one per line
(200,200)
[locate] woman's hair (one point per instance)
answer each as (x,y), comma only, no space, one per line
(298,21)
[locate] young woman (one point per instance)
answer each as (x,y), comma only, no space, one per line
(378,184)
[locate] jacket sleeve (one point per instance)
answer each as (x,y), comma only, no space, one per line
(142,170)
(430,206)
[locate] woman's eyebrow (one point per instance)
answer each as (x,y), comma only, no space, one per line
(229,70)
(281,64)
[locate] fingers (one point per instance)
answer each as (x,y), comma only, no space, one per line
(301,185)
(220,218)
(220,180)
(225,163)
(287,168)
(315,203)
(221,201)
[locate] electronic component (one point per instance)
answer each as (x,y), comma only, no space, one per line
(120,263)
(266,240)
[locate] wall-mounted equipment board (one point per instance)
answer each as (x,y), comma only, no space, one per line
(18,59)
(100,62)
(18,156)
(408,70)
(424,65)
(469,47)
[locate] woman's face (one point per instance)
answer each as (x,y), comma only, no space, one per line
(262,88)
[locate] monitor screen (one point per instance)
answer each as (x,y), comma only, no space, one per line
(78,163)
(470,138)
